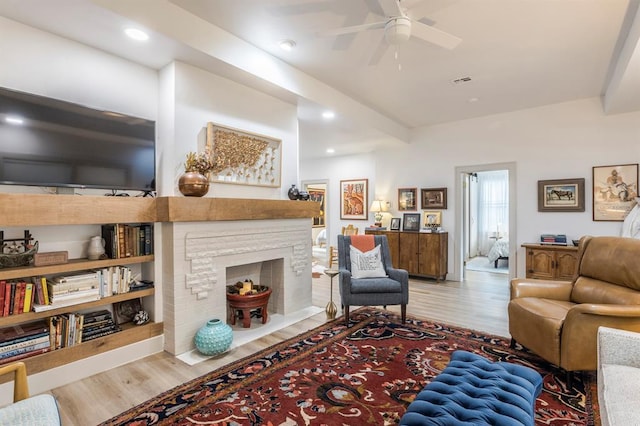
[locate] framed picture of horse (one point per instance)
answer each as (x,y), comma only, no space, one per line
(615,189)
(561,195)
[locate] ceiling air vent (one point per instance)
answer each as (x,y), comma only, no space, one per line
(461,80)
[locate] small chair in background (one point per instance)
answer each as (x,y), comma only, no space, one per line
(333,251)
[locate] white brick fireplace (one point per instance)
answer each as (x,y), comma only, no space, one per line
(195,259)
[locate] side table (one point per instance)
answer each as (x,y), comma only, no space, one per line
(331,308)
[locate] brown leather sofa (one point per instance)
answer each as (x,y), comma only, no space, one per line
(559,320)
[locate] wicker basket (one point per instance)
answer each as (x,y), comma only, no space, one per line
(13,260)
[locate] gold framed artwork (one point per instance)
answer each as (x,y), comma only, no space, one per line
(432,219)
(407,199)
(353,199)
(615,189)
(561,195)
(244,158)
(317,195)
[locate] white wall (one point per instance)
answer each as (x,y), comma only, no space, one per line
(200,97)
(551,142)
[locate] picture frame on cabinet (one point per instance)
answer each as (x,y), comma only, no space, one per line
(411,222)
(407,199)
(433,198)
(432,219)
(395,224)
(561,195)
(615,189)
(353,199)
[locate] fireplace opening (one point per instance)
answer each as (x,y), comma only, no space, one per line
(268,273)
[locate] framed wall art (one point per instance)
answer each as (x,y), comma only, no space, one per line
(407,199)
(561,195)
(318,195)
(395,224)
(411,222)
(244,158)
(434,198)
(615,189)
(432,219)
(353,199)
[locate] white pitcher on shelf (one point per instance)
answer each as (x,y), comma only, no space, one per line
(96,248)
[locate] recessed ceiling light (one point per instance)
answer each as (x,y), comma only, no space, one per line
(328,115)
(287,45)
(136,34)
(330,150)
(14,120)
(472,100)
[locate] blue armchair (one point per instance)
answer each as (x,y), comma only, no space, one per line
(392,289)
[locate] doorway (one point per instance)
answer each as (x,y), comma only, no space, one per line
(465,243)
(318,191)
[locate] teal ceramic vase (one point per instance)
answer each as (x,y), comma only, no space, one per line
(214,337)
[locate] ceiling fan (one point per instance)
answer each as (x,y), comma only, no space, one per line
(399,25)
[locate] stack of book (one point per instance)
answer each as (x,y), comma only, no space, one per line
(553,239)
(70,290)
(127,240)
(24,340)
(97,324)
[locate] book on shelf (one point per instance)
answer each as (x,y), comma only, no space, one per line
(25,349)
(66,302)
(23,330)
(24,355)
(81,276)
(21,342)
(7,299)
(3,286)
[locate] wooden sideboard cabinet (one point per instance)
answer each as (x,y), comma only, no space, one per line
(421,254)
(548,262)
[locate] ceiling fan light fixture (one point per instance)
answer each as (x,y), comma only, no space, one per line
(397,30)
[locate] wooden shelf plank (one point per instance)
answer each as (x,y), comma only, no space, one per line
(45,209)
(195,209)
(33,316)
(71,266)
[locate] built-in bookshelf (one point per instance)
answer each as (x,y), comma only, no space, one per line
(68,210)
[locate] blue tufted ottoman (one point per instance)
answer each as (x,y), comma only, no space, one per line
(475,391)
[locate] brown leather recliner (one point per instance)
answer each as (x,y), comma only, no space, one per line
(559,320)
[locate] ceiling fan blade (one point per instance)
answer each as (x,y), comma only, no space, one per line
(390,7)
(434,35)
(382,48)
(353,29)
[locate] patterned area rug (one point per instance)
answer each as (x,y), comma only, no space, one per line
(365,374)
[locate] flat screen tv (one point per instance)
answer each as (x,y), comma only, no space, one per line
(53,143)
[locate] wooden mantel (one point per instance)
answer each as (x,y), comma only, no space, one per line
(45,209)
(195,209)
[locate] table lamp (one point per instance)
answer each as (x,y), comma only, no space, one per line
(378,207)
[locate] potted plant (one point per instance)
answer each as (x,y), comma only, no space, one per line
(194,182)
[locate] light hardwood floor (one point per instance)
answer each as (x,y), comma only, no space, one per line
(479,303)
